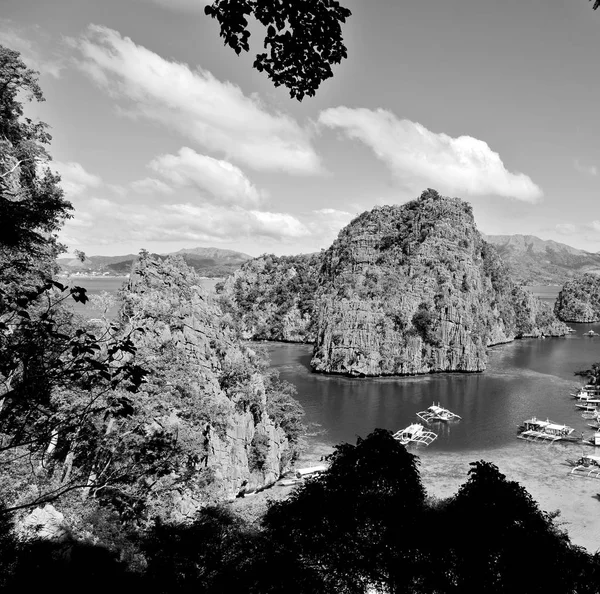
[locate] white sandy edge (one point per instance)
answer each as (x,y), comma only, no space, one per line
(540,468)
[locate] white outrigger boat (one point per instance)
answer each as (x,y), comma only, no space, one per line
(590,405)
(415,433)
(588,466)
(545,431)
(591,333)
(584,394)
(437,413)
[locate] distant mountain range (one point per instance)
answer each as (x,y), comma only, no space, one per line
(535,261)
(211,262)
(530,259)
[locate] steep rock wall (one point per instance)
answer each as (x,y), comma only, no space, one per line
(415,289)
(206,385)
(579,299)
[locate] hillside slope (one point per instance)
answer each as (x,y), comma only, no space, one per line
(533,261)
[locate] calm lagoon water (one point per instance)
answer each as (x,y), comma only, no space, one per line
(527,377)
(524,378)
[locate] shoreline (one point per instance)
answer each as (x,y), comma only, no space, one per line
(539,468)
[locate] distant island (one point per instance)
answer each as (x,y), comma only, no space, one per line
(206,261)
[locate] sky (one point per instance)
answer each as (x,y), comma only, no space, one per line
(166,139)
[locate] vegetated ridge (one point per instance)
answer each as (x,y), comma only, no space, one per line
(533,261)
(579,299)
(273,298)
(403,290)
(209,261)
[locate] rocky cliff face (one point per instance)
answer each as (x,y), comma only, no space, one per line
(579,300)
(205,385)
(415,289)
(271,298)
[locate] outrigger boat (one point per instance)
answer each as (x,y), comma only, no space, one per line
(588,466)
(415,433)
(437,413)
(583,394)
(593,441)
(545,431)
(590,405)
(591,333)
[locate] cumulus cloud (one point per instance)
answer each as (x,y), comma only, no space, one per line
(420,158)
(74,178)
(216,115)
(178,222)
(586,169)
(566,228)
(25,41)
(218,180)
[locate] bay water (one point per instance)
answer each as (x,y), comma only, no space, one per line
(528,377)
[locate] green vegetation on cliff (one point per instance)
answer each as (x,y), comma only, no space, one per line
(403,289)
(415,289)
(579,299)
(271,298)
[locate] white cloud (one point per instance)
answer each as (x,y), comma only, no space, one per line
(587,169)
(566,228)
(216,115)
(219,179)
(149,185)
(421,158)
(196,6)
(22,40)
(177,222)
(74,178)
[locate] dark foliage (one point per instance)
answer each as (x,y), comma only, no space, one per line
(303,38)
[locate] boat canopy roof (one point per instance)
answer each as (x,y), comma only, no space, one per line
(414,428)
(556,427)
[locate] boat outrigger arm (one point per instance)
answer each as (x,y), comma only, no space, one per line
(588,466)
(437,413)
(415,434)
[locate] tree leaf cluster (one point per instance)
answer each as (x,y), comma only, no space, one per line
(303,38)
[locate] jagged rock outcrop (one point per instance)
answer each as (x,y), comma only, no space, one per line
(272,298)
(414,289)
(206,387)
(579,300)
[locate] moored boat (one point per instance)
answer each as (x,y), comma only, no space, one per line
(590,405)
(590,333)
(588,466)
(437,413)
(545,431)
(415,433)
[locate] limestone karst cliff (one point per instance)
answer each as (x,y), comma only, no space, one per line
(272,298)
(579,300)
(231,418)
(415,289)
(404,289)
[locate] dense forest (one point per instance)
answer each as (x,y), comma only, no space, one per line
(122,441)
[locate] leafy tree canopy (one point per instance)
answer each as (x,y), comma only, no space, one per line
(303,38)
